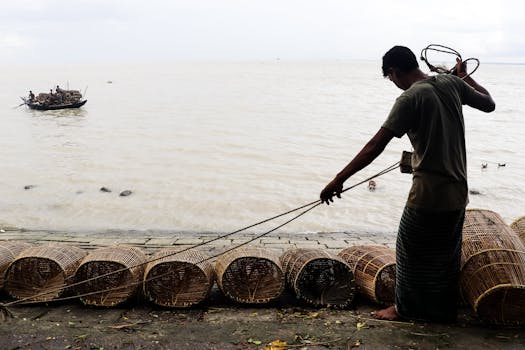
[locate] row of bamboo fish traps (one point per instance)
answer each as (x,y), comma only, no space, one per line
(492,276)
(112,275)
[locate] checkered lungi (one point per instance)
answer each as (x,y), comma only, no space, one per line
(428,256)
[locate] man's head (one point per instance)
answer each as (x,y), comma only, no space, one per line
(399,58)
(401,67)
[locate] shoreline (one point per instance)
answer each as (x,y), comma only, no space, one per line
(150,240)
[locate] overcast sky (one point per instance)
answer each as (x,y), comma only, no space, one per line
(100,31)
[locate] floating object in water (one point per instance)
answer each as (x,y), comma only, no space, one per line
(62,99)
(474,192)
(125,193)
(500,165)
(28,187)
(484,165)
(371,185)
(109,82)
(105,189)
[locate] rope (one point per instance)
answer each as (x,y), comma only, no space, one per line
(165,274)
(309,206)
(447,50)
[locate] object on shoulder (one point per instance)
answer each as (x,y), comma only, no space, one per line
(406,163)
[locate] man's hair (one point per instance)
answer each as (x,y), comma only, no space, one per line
(401,58)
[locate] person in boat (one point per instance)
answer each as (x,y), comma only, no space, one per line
(59,95)
(31,96)
(51,98)
(428,246)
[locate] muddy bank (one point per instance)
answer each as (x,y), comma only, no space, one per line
(220,324)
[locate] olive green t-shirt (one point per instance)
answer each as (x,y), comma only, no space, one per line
(430,113)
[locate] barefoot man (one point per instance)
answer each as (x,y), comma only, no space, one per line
(428,246)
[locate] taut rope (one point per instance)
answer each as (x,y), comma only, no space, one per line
(309,206)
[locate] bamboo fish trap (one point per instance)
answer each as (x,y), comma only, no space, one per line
(9,250)
(319,277)
(250,275)
(374,268)
(41,273)
(519,227)
(178,279)
(103,285)
(493,268)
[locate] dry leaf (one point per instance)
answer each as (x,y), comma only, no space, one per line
(276,345)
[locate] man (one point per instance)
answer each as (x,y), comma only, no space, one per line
(428,247)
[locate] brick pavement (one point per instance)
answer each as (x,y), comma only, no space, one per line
(153,240)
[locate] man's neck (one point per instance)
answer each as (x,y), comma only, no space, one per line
(413,77)
(417,75)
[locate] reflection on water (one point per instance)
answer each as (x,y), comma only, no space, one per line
(70,114)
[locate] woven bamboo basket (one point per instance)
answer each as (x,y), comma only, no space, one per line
(41,273)
(493,268)
(9,250)
(178,279)
(319,277)
(374,268)
(519,227)
(250,275)
(112,275)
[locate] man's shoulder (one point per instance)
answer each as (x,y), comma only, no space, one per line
(447,79)
(440,81)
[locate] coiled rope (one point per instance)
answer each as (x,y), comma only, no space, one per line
(307,207)
(447,50)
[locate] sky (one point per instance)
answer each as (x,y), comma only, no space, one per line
(145,31)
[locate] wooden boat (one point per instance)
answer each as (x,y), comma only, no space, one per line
(47,107)
(62,99)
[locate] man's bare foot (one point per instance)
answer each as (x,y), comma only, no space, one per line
(389,314)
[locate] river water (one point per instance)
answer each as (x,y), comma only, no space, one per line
(219,146)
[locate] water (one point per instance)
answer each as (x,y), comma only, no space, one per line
(219,146)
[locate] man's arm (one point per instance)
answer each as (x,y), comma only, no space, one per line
(481,98)
(370,151)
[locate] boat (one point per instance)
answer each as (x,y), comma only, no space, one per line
(48,107)
(61,99)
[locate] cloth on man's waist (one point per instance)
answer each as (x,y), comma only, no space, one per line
(428,253)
